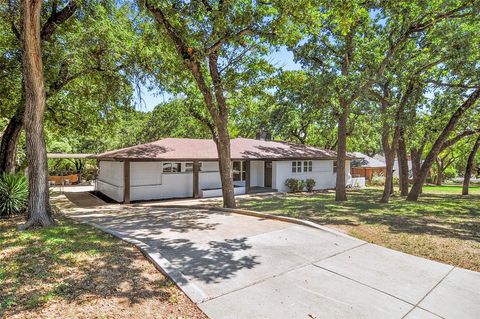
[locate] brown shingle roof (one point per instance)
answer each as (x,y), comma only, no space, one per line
(203,149)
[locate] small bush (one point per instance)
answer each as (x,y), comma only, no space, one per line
(377,180)
(301,185)
(13,194)
(295,185)
(310,184)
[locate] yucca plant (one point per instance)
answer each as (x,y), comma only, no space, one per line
(13,194)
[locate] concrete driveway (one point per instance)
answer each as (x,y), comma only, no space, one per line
(236,266)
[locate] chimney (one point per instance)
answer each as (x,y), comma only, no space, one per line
(263,135)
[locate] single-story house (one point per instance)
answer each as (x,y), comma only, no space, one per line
(181,168)
(366,166)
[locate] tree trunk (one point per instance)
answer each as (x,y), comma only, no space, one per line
(39,211)
(11,135)
(402,166)
(390,160)
(438,180)
(416,156)
(436,148)
(340,191)
(469,167)
(225,165)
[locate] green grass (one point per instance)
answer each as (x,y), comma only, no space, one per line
(451,189)
(441,225)
(73,268)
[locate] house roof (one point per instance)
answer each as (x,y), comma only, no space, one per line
(204,149)
(366,161)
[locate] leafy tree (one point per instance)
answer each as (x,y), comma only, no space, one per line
(218,45)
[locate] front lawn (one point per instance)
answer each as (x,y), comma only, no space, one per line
(75,271)
(442,225)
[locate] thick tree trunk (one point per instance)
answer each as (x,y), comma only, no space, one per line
(225,164)
(9,143)
(390,160)
(416,157)
(439,179)
(340,191)
(402,166)
(436,148)
(39,211)
(469,167)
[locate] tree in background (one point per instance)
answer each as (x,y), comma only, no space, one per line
(219,45)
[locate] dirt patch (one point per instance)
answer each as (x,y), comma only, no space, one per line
(75,271)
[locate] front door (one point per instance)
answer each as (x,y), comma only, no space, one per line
(268,174)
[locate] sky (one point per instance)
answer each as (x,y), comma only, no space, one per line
(282,58)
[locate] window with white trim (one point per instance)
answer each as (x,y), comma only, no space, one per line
(239,173)
(334,166)
(307,166)
(172,167)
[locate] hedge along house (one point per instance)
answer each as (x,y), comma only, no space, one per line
(181,168)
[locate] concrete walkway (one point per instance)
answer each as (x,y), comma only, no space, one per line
(236,266)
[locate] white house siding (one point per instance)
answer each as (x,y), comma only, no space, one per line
(322,173)
(110,179)
(209,177)
(257,173)
(148,182)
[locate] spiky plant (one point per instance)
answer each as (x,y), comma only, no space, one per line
(13,194)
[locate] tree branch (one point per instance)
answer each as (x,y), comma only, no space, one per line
(57,18)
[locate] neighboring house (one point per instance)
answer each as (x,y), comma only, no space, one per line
(396,167)
(180,168)
(366,166)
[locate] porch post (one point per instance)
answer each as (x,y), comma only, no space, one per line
(247,176)
(126,181)
(196,179)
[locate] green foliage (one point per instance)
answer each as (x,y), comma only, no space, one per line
(377,180)
(13,194)
(296,185)
(310,184)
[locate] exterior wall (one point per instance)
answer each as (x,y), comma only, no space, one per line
(148,182)
(209,177)
(110,179)
(257,173)
(368,172)
(322,173)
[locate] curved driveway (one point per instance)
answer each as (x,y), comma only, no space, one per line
(236,266)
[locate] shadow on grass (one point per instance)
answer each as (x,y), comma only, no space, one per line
(443,215)
(77,263)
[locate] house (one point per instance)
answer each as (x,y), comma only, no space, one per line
(181,168)
(366,166)
(396,167)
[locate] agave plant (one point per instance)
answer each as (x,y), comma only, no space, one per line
(13,194)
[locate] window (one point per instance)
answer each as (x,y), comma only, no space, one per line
(239,173)
(307,166)
(334,166)
(172,167)
(299,166)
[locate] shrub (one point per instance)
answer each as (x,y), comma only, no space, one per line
(294,185)
(377,180)
(310,184)
(301,185)
(13,194)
